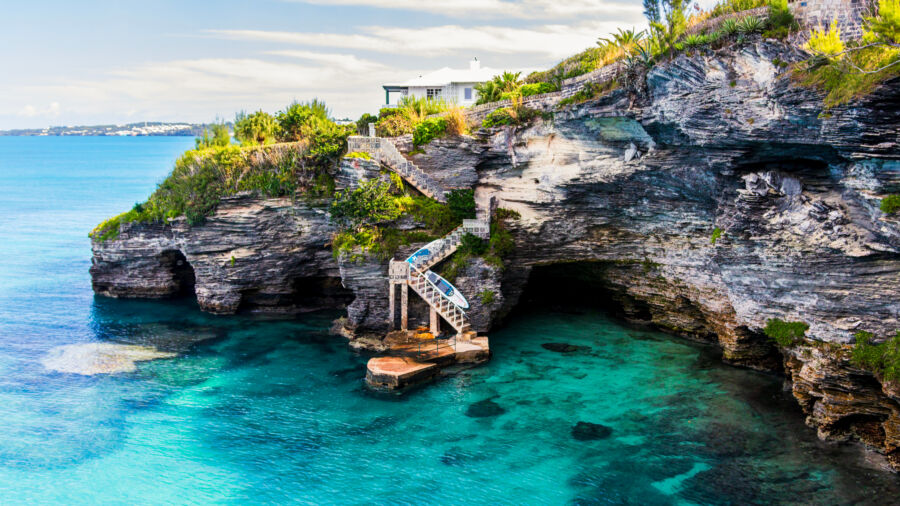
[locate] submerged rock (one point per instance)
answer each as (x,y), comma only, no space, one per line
(100,358)
(484,409)
(587,431)
(563,347)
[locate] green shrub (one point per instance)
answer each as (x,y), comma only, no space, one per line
(369,204)
(462,203)
(217,135)
(717,233)
(780,21)
(259,128)
(428,130)
(437,217)
(362,124)
(393,125)
(785,333)
(294,121)
(498,117)
(826,42)
(358,154)
(890,204)
(486,296)
(473,245)
(503,213)
(882,358)
(528,90)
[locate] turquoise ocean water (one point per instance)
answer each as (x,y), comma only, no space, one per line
(274,411)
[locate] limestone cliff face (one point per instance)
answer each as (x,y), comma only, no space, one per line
(624,193)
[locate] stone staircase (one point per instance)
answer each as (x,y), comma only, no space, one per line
(401,272)
(386,153)
(453,240)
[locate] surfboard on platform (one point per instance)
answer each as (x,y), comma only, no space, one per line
(424,252)
(446,289)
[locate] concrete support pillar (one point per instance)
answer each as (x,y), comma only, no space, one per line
(404,307)
(393,310)
(371,129)
(435,323)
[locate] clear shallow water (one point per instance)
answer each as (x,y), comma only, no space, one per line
(264,410)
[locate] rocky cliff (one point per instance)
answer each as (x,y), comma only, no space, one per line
(717,197)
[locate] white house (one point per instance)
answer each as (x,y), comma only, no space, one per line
(453,85)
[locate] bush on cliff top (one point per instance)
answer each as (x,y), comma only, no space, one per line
(890,204)
(880,358)
(785,333)
(428,130)
(846,71)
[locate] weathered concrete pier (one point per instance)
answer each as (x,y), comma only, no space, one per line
(410,360)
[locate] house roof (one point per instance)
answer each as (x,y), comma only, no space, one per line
(447,75)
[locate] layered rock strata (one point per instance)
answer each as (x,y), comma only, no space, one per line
(720,196)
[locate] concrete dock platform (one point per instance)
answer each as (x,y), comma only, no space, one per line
(407,362)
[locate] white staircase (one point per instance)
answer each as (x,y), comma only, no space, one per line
(449,311)
(386,153)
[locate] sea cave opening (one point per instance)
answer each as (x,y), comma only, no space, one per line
(183,277)
(303,294)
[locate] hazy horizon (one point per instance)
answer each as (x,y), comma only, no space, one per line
(94,63)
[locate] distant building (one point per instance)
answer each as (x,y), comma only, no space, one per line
(452,85)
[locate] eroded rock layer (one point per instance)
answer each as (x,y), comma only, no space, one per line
(720,196)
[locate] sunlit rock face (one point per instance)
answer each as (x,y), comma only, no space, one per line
(619,200)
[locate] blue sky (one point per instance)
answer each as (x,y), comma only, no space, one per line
(68,63)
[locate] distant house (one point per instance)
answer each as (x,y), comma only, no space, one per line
(453,85)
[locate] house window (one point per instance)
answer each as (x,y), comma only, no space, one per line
(467,93)
(433,92)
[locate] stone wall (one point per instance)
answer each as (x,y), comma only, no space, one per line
(812,13)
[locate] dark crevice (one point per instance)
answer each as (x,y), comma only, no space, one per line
(307,294)
(183,278)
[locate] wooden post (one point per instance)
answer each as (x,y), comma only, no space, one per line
(435,323)
(393,311)
(404,307)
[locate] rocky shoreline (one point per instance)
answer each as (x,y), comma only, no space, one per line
(619,201)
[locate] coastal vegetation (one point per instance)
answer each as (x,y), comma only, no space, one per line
(880,358)
(785,333)
(367,217)
(309,145)
(890,204)
(848,70)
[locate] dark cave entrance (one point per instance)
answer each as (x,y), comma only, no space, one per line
(183,278)
(576,286)
(307,293)
(633,292)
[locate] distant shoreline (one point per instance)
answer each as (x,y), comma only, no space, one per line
(143,129)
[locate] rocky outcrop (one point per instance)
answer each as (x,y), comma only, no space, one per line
(257,254)
(619,200)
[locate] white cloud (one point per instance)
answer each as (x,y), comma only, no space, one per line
(200,89)
(30,111)
(555,41)
(528,9)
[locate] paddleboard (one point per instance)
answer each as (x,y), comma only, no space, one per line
(424,252)
(446,289)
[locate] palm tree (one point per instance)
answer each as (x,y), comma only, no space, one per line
(626,40)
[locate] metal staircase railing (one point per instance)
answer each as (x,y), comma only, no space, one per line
(449,311)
